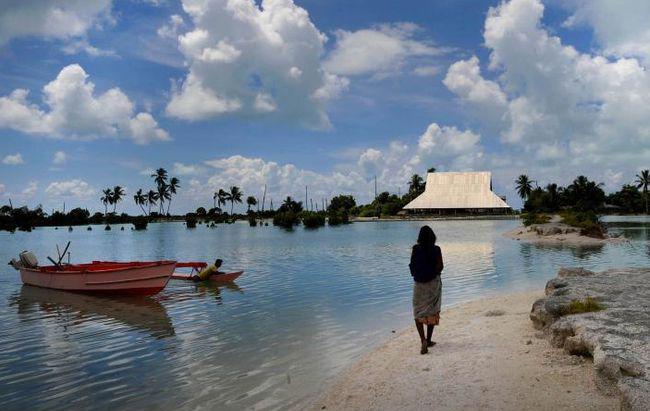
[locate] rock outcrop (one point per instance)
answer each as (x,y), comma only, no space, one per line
(553,229)
(617,336)
(559,233)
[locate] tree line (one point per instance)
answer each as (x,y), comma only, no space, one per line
(584,195)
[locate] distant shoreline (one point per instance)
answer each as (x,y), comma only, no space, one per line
(433,217)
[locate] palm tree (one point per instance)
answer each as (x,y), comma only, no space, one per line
(222,197)
(251,201)
(174,183)
(118,192)
(160,178)
(163,195)
(152,198)
(643,181)
(234,197)
(583,194)
(290,205)
(524,186)
(416,183)
(107,199)
(140,200)
(553,195)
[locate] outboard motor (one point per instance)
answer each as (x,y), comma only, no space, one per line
(15,264)
(26,259)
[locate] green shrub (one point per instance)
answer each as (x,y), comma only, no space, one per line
(338,217)
(140,223)
(252,221)
(190,220)
(287,219)
(369,211)
(588,305)
(587,221)
(390,208)
(313,220)
(535,218)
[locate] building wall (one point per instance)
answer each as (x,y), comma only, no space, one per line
(458,190)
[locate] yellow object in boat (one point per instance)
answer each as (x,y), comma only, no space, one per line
(207,272)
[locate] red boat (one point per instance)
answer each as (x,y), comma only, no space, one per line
(144,278)
(198,266)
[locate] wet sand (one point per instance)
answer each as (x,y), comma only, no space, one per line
(488,356)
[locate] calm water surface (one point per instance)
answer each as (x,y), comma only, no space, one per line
(308,304)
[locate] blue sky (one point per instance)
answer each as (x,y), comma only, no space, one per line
(320,93)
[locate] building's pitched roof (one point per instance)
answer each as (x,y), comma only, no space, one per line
(458,190)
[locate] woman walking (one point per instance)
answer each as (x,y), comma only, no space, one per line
(426,266)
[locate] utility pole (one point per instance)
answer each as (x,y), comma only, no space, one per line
(306,204)
(271,204)
(311,201)
(375,187)
(263,197)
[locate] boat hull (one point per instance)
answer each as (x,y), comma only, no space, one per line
(218,278)
(124,278)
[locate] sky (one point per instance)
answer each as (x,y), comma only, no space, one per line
(326,94)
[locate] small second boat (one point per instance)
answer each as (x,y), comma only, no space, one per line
(198,266)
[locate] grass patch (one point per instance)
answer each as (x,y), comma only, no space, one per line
(587,222)
(535,218)
(588,305)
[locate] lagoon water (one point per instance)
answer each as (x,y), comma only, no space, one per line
(309,303)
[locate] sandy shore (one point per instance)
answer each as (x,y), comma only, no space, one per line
(575,239)
(488,357)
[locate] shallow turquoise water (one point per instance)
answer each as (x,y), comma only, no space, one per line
(308,304)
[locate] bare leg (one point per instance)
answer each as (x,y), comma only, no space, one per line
(429,333)
(423,341)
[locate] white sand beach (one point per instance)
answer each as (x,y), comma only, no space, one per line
(488,356)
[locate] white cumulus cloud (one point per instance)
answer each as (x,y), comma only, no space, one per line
(171,29)
(55,19)
(251,59)
(464,79)
(30,190)
(13,159)
(621,28)
(382,49)
(59,158)
(82,45)
(446,148)
(567,112)
(184,169)
(75,111)
(71,188)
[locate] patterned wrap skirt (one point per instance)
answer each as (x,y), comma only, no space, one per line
(426,301)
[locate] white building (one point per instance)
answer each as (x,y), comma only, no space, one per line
(459,192)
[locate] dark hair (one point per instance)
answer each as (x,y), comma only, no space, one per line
(218,261)
(426,238)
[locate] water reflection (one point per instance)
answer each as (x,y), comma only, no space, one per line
(310,303)
(214,289)
(581,252)
(76,309)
